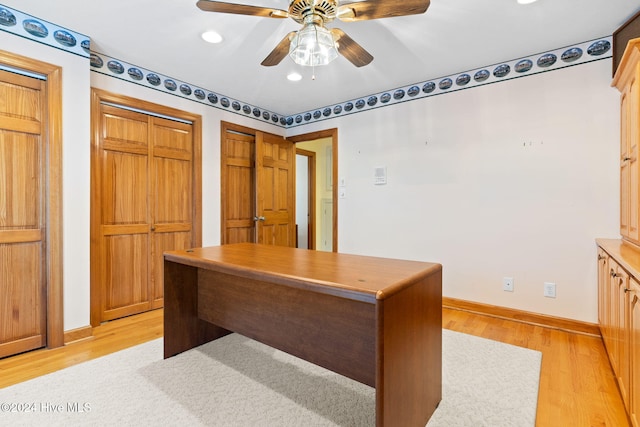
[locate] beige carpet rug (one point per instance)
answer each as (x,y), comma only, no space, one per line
(235,381)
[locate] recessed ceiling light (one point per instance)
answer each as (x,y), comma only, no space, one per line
(211,37)
(526,1)
(294,77)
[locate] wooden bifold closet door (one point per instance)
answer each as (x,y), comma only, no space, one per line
(22,214)
(143,201)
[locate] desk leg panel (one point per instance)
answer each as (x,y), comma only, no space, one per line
(409,366)
(332,332)
(183,329)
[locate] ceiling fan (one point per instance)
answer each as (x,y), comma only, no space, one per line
(314,44)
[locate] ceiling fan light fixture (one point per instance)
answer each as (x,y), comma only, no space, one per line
(313,46)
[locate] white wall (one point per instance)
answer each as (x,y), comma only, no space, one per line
(510,179)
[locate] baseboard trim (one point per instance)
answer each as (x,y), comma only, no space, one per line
(78,334)
(559,323)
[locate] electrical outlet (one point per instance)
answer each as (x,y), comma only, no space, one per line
(549,289)
(507,284)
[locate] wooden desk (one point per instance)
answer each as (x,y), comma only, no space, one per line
(375,320)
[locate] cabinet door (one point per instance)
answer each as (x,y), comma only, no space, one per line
(610,315)
(634,352)
(629,185)
(603,279)
(624,164)
(620,334)
(634,185)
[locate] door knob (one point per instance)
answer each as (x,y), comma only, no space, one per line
(153,228)
(259,218)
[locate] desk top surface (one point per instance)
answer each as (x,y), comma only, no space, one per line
(353,276)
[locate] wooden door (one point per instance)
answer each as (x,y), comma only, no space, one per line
(171,195)
(275,183)
(238,187)
(23,283)
(143,203)
(625,157)
(257,187)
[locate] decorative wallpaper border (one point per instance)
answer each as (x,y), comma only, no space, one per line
(569,56)
(103,64)
(23,25)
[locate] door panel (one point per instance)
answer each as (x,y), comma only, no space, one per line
(124,197)
(144,191)
(172,182)
(125,284)
(238,188)
(172,227)
(22,303)
(275,187)
(22,236)
(124,206)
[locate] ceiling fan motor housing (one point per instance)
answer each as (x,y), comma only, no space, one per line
(324,9)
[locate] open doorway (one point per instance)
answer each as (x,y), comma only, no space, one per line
(314,194)
(323,215)
(305,199)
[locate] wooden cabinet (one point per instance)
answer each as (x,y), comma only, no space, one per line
(619,290)
(627,80)
(619,316)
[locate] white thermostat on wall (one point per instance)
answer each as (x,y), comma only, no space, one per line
(380,176)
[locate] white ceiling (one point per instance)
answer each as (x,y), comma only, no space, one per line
(452,36)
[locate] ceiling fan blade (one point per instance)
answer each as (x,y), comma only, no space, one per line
(241,9)
(363,10)
(351,50)
(279,52)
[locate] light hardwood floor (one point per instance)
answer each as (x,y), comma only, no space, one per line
(577,387)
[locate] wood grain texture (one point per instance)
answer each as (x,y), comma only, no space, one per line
(383,329)
(182,327)
(305,324)
(47,110)
(618,262)
(146,191)
(577,385)
(344,275)
(634,343)
(547,321)
(410,353)
(106,339)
